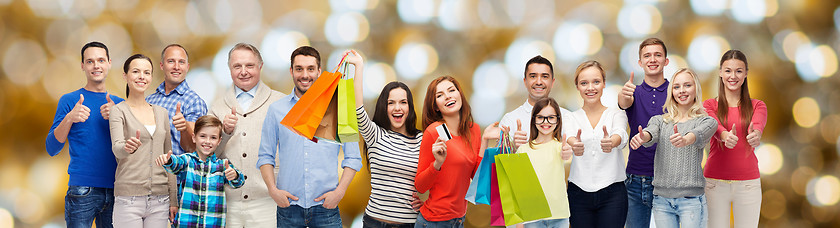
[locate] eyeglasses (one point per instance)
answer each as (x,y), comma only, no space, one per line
(552,119)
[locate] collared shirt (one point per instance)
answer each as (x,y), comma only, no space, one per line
(192,106)
(307,169)
(244,98)
(203,202)
(523,114)
(647,102)
(596,170)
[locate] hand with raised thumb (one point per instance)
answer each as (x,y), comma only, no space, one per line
(565,150)
(639,139)
(520,137)
(753,136)
(606,141)
(230,121)
(577,144)
(164,159)
(677,139)
(133,143)
(80,112)
(178,119)
(628,89)
(730,138)
(230,173)
(105,109)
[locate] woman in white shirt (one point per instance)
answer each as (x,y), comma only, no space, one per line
(596,189)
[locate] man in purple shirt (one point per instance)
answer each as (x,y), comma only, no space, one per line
(641,103)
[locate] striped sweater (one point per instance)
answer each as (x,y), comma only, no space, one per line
(393,161)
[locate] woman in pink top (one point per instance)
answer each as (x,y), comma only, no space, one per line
(732,169)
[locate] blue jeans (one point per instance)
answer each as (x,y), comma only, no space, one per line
(83,204)
(370,222)
(604,208)
(639,200)
(315,216)
(452,223)
(685,212)
(549,223)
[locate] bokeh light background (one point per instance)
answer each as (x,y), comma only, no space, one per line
(792,48)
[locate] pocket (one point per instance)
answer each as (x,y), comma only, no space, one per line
(78,191)
(710,185)
(123,200)
(163,199)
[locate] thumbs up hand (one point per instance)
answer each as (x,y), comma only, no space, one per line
(606,142)
(164,159)
(753,136)
(230,173)
(730,138)
(133,143)
(628,89)
(230,121)
(519,136)
(178,119)
(677,139)
(577,145)
(566,150)
(80,112)
(639,139)
(105,109)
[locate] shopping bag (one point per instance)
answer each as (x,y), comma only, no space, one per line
(521,195)
(326,131)
(348,127)
(307,114)
(497,217)
(550,170)
(473,185)
(483,176)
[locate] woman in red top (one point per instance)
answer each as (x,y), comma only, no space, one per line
(445,167)
(732,169)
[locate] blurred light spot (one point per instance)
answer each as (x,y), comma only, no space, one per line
(778,44)
(168,25)
(63,74)
(792,42)
(201,80)
(345,29)
(118,40)
(829,129)
(772,8)
(675,62)
(29,207)
(6,219)
(413,60)
(489,103)
(501,13)
(246,18)
(824,191)
(44,176)
(837,18)
(800,177)
(5,2)
(66,8)
(770,159)
(637,21)
(804,66)
(122,4)
(278,45)
(823,60)
(709,7)
(23,62)
(351,5)
(63,37)
(221,71)
(610,95)
(806,112)
(749,11)
(491,76)
(376,76)
(454,15)
(416,11)
(577,40)
(523,49)
(705,51)
(629,60)
(773,204)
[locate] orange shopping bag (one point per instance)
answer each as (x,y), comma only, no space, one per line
(306,115)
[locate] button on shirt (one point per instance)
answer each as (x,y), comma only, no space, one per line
(307,169)
(647,102)
(244,98)
(192,106)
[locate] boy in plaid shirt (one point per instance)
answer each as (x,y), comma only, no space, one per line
(203,200)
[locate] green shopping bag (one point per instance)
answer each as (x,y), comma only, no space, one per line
(348,127)
(522,196)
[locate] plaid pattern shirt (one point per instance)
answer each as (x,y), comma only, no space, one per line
(203,200)
(192,106)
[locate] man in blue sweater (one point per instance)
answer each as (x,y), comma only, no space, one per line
(90,192)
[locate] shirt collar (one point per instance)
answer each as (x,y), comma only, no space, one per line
(181,89)
(661,88)
(194,155)
(528,107)
(252,92)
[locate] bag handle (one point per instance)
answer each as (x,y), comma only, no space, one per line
(339,63)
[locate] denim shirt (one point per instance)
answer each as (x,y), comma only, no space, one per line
(307,169)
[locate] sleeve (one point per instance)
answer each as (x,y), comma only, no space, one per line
(239,181)
(759,118)
(569,124)
(369,130)
(197,109)
(352,156)
(654,124)
(53,146)
(117,123)
(268,142)
(173,189)
(177,163)
(710,106)
(167,144)
(426,172)
(510,121)
(704,130)
(619,127)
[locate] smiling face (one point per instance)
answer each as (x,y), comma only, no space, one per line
(590,84)
(207,139)
(652,59)
(305,71)
(546,121)
(538,80)
(139,75)
(245,69)
(447,98)
(733,73)
(397,109)
(684,91)
(174,65)
(95,64)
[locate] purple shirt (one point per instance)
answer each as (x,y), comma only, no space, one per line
(647,102)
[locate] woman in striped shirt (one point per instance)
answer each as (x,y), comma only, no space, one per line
(392,143)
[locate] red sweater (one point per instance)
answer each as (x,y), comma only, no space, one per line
(738,163)
(448,186)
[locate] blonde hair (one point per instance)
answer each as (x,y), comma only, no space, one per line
(671,112)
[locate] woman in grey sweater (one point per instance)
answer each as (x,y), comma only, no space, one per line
(681,133)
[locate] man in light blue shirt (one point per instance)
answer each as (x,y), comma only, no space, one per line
(307,188)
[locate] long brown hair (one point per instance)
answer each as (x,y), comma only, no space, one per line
(538,106)
(745,105)
(431,114)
